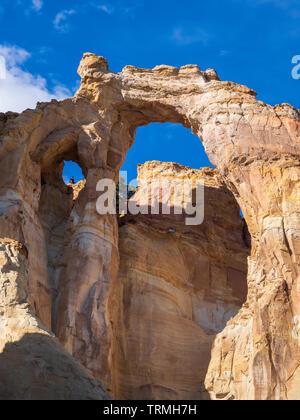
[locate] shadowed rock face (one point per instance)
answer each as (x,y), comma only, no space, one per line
(73,255)
(33,364)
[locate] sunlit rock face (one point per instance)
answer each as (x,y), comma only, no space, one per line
(73,253)
(178,286)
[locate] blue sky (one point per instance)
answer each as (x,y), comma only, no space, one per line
(247,41)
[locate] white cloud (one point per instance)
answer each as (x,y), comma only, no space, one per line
(14,55)
(193,36)
(37,5)
(60,21)
(106,8)
(20,89)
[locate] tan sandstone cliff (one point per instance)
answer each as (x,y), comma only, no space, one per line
(72,258)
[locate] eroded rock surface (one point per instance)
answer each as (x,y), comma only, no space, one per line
(73,255)
(33,364)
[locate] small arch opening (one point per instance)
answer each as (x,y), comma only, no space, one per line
(72,171)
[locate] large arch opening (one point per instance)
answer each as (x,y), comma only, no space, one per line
(165,142)
(180,284)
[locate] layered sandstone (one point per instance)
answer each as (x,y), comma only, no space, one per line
(73,255)
(179,285)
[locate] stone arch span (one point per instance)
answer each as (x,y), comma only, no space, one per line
(255,148)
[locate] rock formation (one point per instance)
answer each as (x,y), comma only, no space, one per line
(73,254)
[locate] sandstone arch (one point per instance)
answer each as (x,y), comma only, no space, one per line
(256,149)
(254,146)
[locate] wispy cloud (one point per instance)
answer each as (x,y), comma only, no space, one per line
(192,36)
(29,6)
(14,55)
(291,7)
(37,5)
(105,8)
(21,89)
(60,21)
(119,7)
(223,53)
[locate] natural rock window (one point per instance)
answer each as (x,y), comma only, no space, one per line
(179,285)
(165,142)
(72,170)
